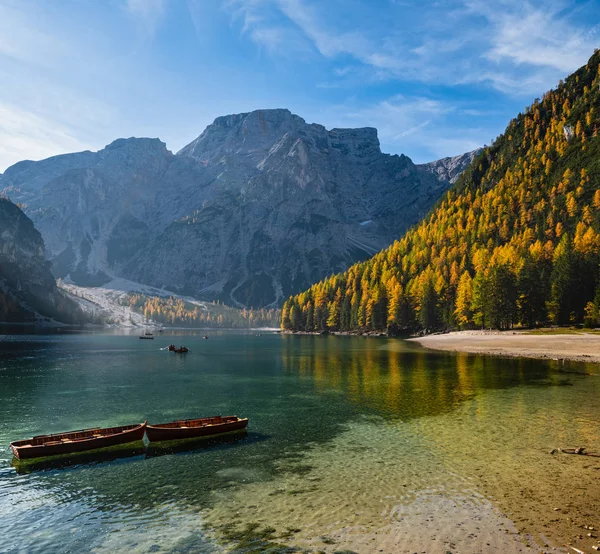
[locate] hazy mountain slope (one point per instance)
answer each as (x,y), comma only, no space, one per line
(293,202)
(28,290)
(104,206)
(259,206)
(516,240)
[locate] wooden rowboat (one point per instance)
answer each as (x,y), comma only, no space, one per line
(77,441)
(192,428)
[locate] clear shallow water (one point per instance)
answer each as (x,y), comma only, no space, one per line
(353,444)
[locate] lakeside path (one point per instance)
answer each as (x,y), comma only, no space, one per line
(580,347)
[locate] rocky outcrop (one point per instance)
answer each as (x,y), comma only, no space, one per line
(259,206)
(449,169)
(28,290)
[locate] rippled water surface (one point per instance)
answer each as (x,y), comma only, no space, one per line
(354,444)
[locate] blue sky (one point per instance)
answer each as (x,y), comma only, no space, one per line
(437,78)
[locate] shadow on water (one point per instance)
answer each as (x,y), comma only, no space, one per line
(67,461)
(195,445)
(134,450)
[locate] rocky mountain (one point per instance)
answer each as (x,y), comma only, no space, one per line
(259,206)
(449,169)
(28,289)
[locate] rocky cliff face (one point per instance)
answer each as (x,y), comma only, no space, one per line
(449,169)
(259,206)
(27,288)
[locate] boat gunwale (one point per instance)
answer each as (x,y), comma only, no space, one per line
(173,425)
(124,428)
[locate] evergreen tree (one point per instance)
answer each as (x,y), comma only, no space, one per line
(532,293)
(478,304)
(428,311)
(561,283)
(500,304)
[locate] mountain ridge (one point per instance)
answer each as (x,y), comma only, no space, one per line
(256,207)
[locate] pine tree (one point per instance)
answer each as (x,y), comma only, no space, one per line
(428,312)
(500,305)
(561,281)
(532,292)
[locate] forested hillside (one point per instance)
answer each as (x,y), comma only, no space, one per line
(175,311)
(515,241)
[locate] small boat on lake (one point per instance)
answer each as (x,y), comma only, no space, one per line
(193,428)
(180,350)
(147,336)
(205,337)
(83,440)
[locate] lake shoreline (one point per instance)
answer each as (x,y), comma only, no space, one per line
(577,347)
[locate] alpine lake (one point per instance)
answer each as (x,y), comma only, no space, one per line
(354,445)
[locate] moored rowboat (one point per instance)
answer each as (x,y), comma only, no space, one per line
(192,428)
(77,441)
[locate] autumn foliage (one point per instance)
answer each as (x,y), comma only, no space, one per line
(172,310)
(515,241)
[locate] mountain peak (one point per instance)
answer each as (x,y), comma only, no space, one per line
(136,144)
(257,132)
(262,118)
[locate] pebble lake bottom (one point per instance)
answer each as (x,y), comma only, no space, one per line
(354,445)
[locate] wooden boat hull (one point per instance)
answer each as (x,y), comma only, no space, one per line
(177,431)
(76,441)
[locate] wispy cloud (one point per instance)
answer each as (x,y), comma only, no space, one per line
(435,78)
(24,135)
(515,46)
(261,21)
(538,35)
(148,12)
(22,42)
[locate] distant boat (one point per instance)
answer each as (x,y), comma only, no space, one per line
(147,336)
(205,337)
(192,428)
(77,441)
(180,350)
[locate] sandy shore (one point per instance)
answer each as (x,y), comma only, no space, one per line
(581,347)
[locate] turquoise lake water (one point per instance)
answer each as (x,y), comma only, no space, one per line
(354,444)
